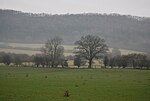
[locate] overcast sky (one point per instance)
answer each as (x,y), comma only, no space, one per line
(132,7)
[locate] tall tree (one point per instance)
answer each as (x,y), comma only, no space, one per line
(90,47)
(37,59)
(54,50)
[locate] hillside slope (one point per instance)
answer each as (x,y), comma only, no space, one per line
(119,31)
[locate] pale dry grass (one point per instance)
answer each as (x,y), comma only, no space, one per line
(29,52)
(66,47)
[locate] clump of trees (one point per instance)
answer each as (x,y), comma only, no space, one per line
(52,54)
(79,61)
(130,60)
(6,59)
(16,59)
(39,59)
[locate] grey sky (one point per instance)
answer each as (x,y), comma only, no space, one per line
(133,7)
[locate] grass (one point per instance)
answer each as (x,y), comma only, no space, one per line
(38,84)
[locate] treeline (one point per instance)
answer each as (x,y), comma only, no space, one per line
(88,49)
(38,60)
(15,59)
(134,60)
(52,55)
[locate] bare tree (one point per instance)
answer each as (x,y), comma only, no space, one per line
(37,59)
(53,50)
(91,47)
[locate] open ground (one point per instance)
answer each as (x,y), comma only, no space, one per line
(50,84)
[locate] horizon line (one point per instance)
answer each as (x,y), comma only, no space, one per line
(46,13)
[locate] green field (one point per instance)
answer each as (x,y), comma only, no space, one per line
(38,84)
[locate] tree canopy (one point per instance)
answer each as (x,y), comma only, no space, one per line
(90,47)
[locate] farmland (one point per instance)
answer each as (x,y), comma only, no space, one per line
(49,84)
(68,49)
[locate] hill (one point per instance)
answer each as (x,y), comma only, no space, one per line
(119,31)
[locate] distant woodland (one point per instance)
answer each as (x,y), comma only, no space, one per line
(119,31)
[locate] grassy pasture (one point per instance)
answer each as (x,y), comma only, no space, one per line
(49,84)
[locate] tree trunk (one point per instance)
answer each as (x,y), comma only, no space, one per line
(62,66)
(78,66)
(90,63)
(52,65)
(43,66)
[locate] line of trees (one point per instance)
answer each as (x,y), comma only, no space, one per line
(88,48)
(16,59)
(131,60)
